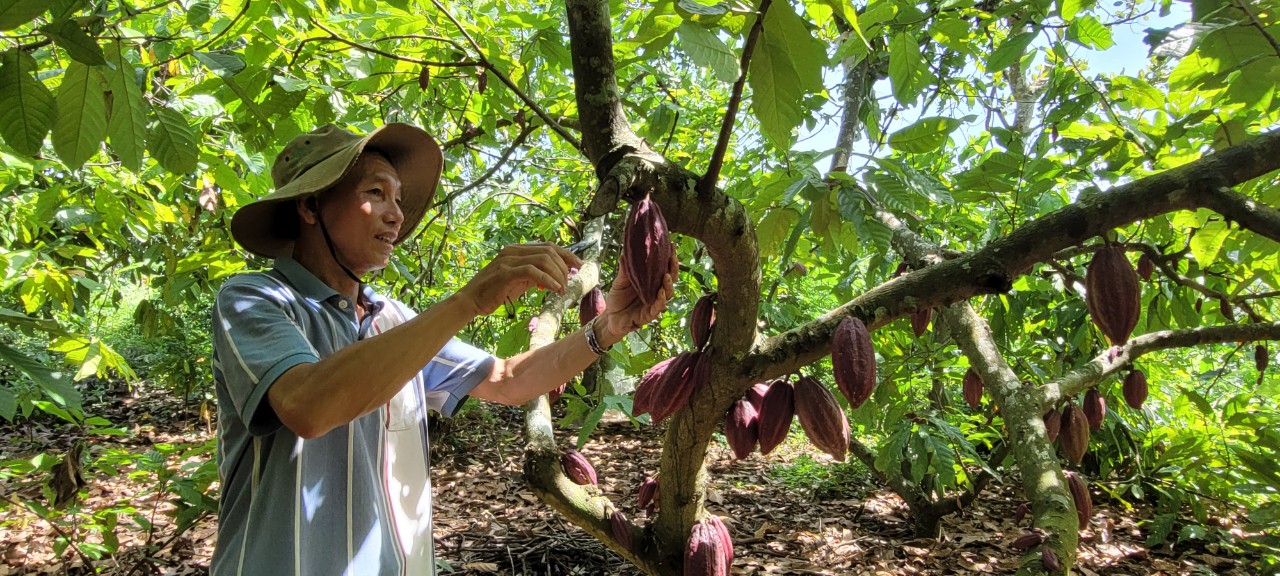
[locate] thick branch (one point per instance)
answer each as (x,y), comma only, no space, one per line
(708,181)
(595,83)
(1251,214)
(1116,359)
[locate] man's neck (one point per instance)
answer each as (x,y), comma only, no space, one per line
(322,264)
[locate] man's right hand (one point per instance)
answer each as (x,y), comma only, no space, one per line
(515,270)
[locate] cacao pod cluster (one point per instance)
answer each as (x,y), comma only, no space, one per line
(1114,296)
(1080,498)
(821,417)
(1135,389)
(577,468)
(591,305)
(853,360)
(972,389)
(1075,432)
(710,549)
(666,387)
(703,320)
(647,249)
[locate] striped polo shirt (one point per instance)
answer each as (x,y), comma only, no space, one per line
(355,501)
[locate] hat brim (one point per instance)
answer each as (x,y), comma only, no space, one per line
(267,226)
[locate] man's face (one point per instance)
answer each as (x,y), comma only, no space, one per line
(362,213)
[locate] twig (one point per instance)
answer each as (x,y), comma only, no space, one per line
(506,154)
(230,25)
(1256,24)
(708,180)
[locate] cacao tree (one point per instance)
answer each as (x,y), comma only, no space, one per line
(978,168)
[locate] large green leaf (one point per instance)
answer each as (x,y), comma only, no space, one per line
(14,13)
(925,135)
(1087,31)
(54,382)
(906,66)
(127,125)
(172,142)
(1010,51)
(223,64)
(26,105)
(72,38)
(81,122)
(708,50)
(786,66)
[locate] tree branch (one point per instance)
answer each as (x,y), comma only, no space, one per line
(1251,214)
(1116,359)
(605,127)
(708,181)
(502,160)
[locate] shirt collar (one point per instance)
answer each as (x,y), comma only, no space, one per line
(312,287)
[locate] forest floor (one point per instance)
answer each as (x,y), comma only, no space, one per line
(789,512)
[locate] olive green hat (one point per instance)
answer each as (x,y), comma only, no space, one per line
(317,160)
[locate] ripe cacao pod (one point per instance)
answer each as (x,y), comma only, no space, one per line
(821,417)
(1049,559)
(577,468)
(703,555)
(668,392)
(726,539)
(972,389)
(642,401)
(621,528)
(1135,389)
(775,415)
(756,394)
(1075,433)
(853,360)
(741,428)
(648,497)
(1027,541)
(703,319)
(1021,512)
(1261,358)
(1080,498)
(591,305)
(1095,408)
(920,321)
(647,249)
(1114,297)
(1052,424)
(1146,267)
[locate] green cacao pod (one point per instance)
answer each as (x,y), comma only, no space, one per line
(1114,297)
(853,360)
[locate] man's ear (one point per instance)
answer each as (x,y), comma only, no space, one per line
(308,210)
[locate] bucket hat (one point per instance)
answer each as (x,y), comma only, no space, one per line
(317,160)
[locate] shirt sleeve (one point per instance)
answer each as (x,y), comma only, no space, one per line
(454,372)
(256,339)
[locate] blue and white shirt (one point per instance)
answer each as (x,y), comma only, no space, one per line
(356,501)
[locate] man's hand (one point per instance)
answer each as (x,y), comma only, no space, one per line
(624,312)
(515,270)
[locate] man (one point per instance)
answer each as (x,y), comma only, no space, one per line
(323,385)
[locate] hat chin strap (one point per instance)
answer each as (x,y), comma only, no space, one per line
(332,251)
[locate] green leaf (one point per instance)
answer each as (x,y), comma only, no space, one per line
(8,404)
(709,51)
(81,121)
(925,135)
(221,63)
(172,142)
(1208,241)
(72,38)
(1069,8)
(1087,31)
(786,66)
(905,67)
(198,13)
(127,124)
(14,13)
(590,423)
(54,383)
(1010,51)
(26,105)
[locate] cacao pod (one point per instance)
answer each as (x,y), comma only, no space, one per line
(1095,408)
(647,249)
(726,540)
(775,415)
(1114,297)
(972,389)
(1075,433)
(703,556)
(901,269)
(621,528)
(556,393)
(821,417)
(591,305)
(853,360)
(1135,389)
(741,428)
(703,319)
(1080,498)
(1027,541)
(1146,267)
(756,394)
(1199,304)
(648,497)
(1260,358)
(1227,311)
(642,401)
(920,321)
(424,78)
(1021,512)
(1052,424)
(577,468)
(1049,559)
(670,390)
